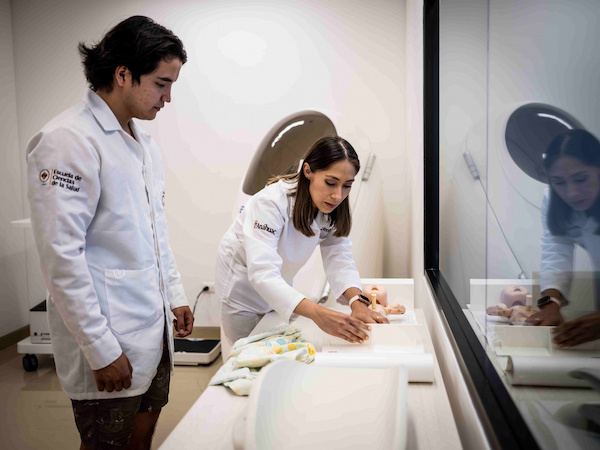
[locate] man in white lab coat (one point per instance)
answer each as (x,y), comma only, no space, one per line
(97,196)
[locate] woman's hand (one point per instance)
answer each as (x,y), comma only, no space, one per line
(549,315)
(364,313)
(334,322)
(583,329)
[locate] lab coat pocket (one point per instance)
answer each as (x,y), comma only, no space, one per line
(133,297)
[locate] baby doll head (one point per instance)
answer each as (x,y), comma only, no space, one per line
(514,296)
(380,292)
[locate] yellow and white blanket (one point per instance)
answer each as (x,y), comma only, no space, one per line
(249,355)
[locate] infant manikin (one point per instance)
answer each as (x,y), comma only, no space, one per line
(382,299)
(513,296)
(513,304)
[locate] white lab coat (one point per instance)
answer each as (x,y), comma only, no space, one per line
(262,251)
(556,271)
(97,210)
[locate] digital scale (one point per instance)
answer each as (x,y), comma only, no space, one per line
(194,351)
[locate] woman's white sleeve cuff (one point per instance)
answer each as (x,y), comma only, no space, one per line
(287,315)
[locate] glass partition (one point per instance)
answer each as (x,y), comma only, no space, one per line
(517,215)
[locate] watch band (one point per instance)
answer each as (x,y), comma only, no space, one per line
(361,298)
(547,300)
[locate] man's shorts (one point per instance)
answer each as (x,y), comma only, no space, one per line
(108,423)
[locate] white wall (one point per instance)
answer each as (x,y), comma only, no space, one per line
(250,64)
(530,60)
(14,302)
(414,140)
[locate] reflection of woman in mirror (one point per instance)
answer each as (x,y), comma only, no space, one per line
(570,216)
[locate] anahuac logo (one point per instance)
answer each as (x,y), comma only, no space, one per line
(44,176)
(260,226)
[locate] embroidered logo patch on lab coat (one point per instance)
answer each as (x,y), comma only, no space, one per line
(60,178)
(260,226)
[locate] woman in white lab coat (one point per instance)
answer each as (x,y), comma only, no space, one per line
(274,236)
(570,216)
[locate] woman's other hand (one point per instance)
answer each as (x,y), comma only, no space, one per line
(549,315)
(334,322)
(365,313)
(579,331)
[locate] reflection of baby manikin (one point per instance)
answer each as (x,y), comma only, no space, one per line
(382,299)
(513,296)
(517,315)
(520,314)
(513,304)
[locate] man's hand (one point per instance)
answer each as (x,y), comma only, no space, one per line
(366,314)
(116,376)
(184,321)
(549,315)
(579,331)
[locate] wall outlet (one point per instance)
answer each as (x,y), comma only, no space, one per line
(210,284)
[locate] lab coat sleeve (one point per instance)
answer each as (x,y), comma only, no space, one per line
(556,270)
(262,259)
(60,218)
(176,291)
(339,265)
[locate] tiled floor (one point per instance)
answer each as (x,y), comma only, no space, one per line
(36,414)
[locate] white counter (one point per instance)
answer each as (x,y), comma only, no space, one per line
(210,423)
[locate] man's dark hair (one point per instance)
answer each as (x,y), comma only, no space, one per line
(137,43)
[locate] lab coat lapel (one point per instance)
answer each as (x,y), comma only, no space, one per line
(101,111)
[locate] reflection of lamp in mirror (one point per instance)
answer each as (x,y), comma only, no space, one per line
(529,131)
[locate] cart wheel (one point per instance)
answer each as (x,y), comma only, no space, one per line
(30,363)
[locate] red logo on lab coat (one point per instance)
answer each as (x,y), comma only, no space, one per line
(44,176)
(265,227)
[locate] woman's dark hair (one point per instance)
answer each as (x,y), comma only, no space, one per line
(326,151)
(137,43)
(583,146)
